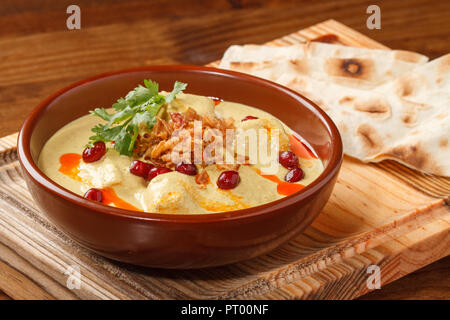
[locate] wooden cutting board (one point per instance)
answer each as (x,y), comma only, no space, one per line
(379,214)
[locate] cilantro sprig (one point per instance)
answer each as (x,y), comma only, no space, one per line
(140,106)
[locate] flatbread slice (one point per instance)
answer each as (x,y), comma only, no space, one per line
(353,67)
(403,117)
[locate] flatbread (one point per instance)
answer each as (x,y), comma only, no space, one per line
(400,111)
(261,53)
(349,66)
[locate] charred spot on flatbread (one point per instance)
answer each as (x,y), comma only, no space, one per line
(346,100)
(249,65)
(404,87)
(376,107)
(371,140)
(409,118)
(414,155)
(443,143)
(300,65)
(242,65)
(297,83)
(409,115)
(350,68)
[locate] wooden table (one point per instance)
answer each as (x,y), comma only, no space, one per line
(39,55)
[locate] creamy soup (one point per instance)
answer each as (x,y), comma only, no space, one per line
(123,180)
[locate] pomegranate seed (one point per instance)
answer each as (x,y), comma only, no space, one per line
(140,168)
(94,153)
(249,118)
(186,168)
(156,171)
(294,175)
(288,159)
(94,195)
(228,180)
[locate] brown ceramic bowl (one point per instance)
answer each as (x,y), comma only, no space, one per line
(180,241)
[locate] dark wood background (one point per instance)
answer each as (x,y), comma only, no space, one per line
(38,55)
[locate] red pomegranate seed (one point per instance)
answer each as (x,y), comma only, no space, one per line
(294,175)
(228,180)
(155,171)
(249,118)
(140,168)
(94,153)
(94,195)
(288,159)
(186,168)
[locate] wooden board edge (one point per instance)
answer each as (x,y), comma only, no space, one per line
(348,278)
(8,143)
(353,248)
(8,148)
(3,296)
(24,254)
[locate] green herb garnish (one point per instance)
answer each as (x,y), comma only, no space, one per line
(139,107)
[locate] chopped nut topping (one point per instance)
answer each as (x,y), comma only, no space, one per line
(157,145)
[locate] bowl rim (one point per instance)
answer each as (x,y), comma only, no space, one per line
(31,168)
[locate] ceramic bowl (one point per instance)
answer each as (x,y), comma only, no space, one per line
(180,241)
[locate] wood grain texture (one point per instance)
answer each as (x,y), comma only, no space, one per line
(3,296)
(334,251)
(39,56)
(373,217)
(431,282)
